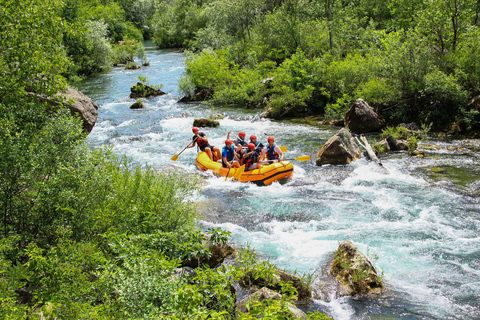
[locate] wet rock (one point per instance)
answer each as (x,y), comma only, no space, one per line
(205,122)
(304,292)
(381,147)
(361,118)
(339,149)
(397,144)
(137,105)
(418,153)
(267,294)
(141,90)
(84,107)
(355,274)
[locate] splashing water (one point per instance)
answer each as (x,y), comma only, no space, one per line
(423,226)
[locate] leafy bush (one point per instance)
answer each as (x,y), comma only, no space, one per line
(443,98)
(396,133)
(124,51)
(338,110)
(208,69)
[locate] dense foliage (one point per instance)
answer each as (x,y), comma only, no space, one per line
(84,233)
(411,60)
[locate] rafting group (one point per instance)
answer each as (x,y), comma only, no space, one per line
(244,161)
(238,152)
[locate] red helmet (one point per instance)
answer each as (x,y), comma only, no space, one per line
(270,139)
(252,137)
(241,134)
(251,146)
(194,129)
(228,141)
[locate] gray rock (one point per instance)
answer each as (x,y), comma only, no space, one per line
(381,147)
(205,122)
(137,105)
(354,272)
(362,118)
(84,107)
(339,149)
(397,144)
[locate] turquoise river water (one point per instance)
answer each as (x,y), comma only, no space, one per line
(420,217)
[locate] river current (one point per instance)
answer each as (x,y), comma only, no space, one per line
(418,220)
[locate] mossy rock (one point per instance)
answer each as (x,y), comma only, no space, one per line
(205,122)
(137,105)
(141,90)
(354,272)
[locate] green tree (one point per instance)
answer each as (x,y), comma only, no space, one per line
(444,22)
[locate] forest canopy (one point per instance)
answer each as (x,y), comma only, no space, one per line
(411,60)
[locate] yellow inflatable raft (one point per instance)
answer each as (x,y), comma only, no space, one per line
(261,177)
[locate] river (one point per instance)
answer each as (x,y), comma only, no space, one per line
(419,216)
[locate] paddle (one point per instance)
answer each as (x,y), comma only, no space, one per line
(239,172)
(301,158)
(228,173)
(175,157)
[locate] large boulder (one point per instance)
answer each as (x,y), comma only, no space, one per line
(267,294)
(141,90)
(205,122)
(84,107)
(355,274)
(339,149)
(362,118)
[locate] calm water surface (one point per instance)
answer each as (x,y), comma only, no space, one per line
(422,223)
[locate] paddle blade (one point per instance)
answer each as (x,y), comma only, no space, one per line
(303,158)
(239,172)
(283,148)
(174,158)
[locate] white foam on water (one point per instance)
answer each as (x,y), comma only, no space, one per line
(338,309)
(127,123)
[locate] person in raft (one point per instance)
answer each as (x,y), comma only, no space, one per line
(241,139)
(272,151)
(202,141)
(240,144)
(251,157)
(258,146)
(228,155)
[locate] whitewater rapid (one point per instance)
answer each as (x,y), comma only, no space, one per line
(423,228)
